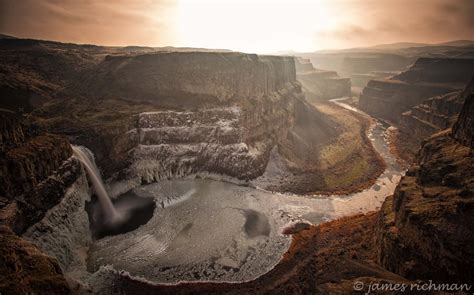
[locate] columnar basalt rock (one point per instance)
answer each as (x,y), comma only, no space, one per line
(463,129)
(220,112)
(29,159)
(434,114)
(190,79)
(425,230)
(320,83)
(428,77)
(37,170)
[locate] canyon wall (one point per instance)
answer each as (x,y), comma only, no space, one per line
(35,172)
(428,77)
(432,115)
(425,230)
(218,113)
(189,79)
(321,84)
(463,129)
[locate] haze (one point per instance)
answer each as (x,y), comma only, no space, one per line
(246,25)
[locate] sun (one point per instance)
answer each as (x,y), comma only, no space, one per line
(261,26)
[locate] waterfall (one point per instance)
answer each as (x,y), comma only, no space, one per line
(87,159)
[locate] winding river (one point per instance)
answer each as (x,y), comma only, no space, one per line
(206,230)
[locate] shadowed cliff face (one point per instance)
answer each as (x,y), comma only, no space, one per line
(426,230)
(428,77)
(321,84)
(29,158)
(189,79)
(463,129)
(36,171)
(157,115)
(26,270)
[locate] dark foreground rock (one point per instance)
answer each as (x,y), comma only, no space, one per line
(36,171)
(24,269)
(426,230)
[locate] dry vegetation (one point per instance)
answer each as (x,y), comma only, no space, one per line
(350,158)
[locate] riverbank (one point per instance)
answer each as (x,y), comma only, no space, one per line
(347,164)
(328,258)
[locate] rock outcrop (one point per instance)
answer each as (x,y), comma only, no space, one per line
(423,120)
(24,269)
(185,80)
(428,77)
(29,160)
(32,72)
(215,112)
(321,84)
(463,129)
(426,229)
(37,170)
(432,115)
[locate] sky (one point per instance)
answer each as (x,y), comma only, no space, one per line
(260,26)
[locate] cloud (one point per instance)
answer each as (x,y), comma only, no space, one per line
(367,22)
(121,22)
(244,25)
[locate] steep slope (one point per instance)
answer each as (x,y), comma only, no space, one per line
(463,129)
(37,172)
(320,84)
(428,77)
(423,120)
(29,158)
(33,71)
(159,115)
(426,230)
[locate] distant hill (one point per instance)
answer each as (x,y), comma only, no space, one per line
(457,43)
(3,36)
(402,45)
(398,45)
(393,47)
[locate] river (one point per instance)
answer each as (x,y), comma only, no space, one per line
(206,230)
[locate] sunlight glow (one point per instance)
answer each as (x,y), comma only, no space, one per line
(260,26)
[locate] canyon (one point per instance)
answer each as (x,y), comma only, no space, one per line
(320,84)
(241,172)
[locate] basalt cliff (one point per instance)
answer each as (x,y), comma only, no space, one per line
(422,235)
(157,115)
(428,77)
(37,173)
(321,84)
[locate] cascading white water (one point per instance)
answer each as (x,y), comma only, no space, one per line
(87,160)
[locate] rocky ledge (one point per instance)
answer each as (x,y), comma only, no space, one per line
(37,169)
(321,84)
(425,230)
(428,77)
(172,114)
(29,160)
(432,115)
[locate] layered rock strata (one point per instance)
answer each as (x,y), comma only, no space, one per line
(321,84)
(423,120)
(37,172)
(213,140)
(434,114)
(218,113)
(426,229)
(428,77)
(29,160)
